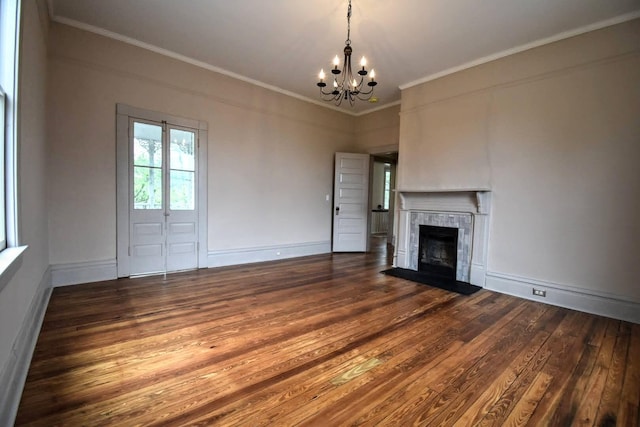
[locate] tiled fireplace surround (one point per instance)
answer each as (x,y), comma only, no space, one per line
(468,211)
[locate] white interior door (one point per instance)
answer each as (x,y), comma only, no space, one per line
(163,220)
(350,202)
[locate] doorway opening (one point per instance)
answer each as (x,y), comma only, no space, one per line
(382,195)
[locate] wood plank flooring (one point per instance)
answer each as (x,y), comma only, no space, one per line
(324,340)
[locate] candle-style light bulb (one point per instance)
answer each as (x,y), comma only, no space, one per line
(336,61)
(363,62)
(372,74)
(354,83)
(321,75)
(335,84)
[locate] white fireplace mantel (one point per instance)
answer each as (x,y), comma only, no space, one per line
(472,201)
(448,207)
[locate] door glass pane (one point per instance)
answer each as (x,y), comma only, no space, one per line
(182,150)
(147,145)
(147,166)
(182,190)
(182,170)
(147,188)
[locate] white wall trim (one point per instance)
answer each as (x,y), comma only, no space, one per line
(478,274)
(15,370)
(10,262)
(83,272)
(373,110)
(383,149)
(595,302)
(267,253)
(555,38)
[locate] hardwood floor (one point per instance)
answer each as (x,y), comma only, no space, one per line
(323,340)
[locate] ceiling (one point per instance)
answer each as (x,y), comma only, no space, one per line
(282,44)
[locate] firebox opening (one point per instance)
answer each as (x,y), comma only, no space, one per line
(438,251)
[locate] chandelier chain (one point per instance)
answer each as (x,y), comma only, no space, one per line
(348,41)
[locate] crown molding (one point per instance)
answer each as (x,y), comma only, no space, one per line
(174,55)
(188,60)
(381,107)
(555,38)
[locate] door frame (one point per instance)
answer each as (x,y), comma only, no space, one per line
(123,114)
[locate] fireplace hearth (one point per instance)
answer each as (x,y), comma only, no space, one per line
(437,260)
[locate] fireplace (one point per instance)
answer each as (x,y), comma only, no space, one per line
(438,251)
(465,211)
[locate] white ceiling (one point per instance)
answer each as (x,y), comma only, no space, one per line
(283,44)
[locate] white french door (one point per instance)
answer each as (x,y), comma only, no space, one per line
(161,193)
(163,219)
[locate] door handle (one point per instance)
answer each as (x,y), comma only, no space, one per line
(337,210)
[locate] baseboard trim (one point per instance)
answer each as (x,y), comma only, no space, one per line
(15,371)
(266,253)
(83,272)
(600,303)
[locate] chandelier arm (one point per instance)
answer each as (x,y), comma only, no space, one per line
(335,100)
(367,96)
(352,99)
(333,96)
(328,96)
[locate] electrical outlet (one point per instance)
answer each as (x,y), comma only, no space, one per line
(539,292)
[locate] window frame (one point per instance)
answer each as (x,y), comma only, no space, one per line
(386,188)
(3,192)
(11,253)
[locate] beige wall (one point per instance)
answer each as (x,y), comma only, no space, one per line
(554,132)
(20,293)
(445,145)
(377,131)
(270,155)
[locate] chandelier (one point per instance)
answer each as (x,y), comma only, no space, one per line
(346,87)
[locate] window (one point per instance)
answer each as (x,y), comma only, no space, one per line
(3,222)
(10,252)
(387,185)
(9,29)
